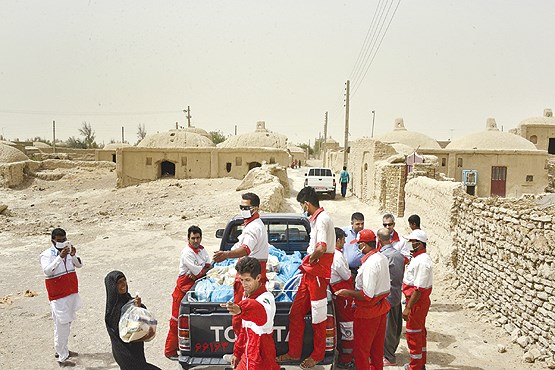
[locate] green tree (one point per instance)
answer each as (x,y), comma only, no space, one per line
(76,143)
(89,135)
(305,146)
(217,136)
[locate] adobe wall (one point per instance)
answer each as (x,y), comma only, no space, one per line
(502,251)
(12,174)
(505,258)
(550,166)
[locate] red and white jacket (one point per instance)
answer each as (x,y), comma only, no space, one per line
(419,275)
(193,260)
(374,282)
(254,347)
(254,238)
(322,232)
(60,276)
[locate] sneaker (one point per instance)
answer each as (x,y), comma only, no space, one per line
(227,358)
(71,354)
(66,363)
(386,362)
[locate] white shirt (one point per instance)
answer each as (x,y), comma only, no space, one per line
(403,246)
(373,276)
(321,231)
(339,268)
(419,272)
(191,262)
(255,237)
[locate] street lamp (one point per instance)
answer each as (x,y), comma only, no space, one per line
(373,119)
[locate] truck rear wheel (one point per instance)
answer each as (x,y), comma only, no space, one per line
(332,195)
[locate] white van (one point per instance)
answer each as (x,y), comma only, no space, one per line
(322,180)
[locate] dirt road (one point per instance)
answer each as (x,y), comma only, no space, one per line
(141,230)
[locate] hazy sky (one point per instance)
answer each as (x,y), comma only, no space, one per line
(442,65)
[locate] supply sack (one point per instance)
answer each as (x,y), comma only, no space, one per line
(136,324)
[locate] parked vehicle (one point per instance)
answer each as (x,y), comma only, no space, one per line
(322,180)
(205,331)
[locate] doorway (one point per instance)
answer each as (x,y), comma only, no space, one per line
(551,148)
(254,165)
(167,169)
(498,180)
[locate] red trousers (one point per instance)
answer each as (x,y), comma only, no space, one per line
(311,296)
(182,286)
(416,333)
(369,339)
(344,317)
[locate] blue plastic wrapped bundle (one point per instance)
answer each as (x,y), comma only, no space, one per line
(222,293)
(273,251)
(204,289)
(227,262)
(290,288)
(289,266)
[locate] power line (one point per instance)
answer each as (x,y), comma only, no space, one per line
(51,113)
(378,48)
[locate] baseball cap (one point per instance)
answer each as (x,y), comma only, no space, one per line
(365,235)
(417,235)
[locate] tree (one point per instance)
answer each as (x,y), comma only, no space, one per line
(217,136)
(87,131)
(304,146)
(141,133)
(76,143)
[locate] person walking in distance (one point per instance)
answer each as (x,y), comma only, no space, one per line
(372,286)
(394,321)
(417,287)
(58,265)
(344,179)
(193,264)
(312,291)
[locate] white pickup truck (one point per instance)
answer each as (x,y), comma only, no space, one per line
(322,180)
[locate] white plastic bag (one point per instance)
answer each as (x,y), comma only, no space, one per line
(136,324)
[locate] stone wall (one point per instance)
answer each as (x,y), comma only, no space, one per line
(550,166)
(502,251)
(390,180)
(12,174)
(270,183)
(434,202)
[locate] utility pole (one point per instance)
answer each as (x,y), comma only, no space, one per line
(54,135)
(235,130)
(325,138)
(176,126)
(346,122)
(122,135)
(188,115)
(373,119)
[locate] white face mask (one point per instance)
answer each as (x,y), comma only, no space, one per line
(246,213)
(62,245)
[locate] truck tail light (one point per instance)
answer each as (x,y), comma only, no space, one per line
(305,182)
(330,333)
(334,182)
(184,333)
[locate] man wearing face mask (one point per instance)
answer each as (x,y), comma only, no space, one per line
(372,286)
(253,242)
(417,287)
(58,264)
(312,292)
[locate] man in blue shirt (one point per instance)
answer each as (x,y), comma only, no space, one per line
(350,251)
(344,179)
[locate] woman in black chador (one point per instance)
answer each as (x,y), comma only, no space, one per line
(129,356)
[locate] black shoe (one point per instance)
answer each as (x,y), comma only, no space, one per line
(66,363)
(71,354)
(173,357)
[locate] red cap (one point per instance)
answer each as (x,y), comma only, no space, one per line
(365,235)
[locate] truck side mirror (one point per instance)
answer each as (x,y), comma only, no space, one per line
(305,174)
(220,233)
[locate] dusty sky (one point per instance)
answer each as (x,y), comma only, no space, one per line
(442,66)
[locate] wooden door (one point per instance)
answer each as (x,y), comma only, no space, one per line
(498,180)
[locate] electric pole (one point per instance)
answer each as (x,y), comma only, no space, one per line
(346,122)
(54,135)
(325,138)
(122,135)
(188,115)
(373,118)
(176,126)
(235,130)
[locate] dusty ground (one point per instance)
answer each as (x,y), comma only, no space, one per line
(140,230)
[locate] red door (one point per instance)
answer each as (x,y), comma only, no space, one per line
(498,180)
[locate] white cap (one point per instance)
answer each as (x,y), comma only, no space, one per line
(417,235)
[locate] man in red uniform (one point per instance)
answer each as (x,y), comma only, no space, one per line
(253,242)
(341,278)
(254,348)
(371,306)
(312,292)
(194,263)
(417,287)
